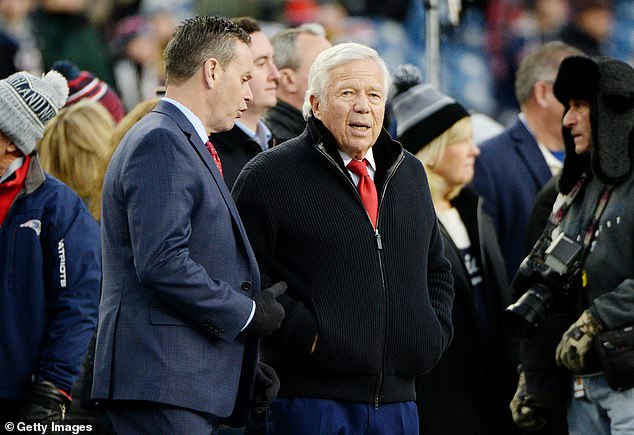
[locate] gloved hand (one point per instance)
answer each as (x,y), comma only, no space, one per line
(269,313)
(576,342)
(46,404)
(524,410)
(267,384)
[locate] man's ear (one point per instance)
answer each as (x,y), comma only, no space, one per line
(210,71)
(541,90)
(315,104)
(288,80)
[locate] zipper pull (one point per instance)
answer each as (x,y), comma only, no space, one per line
(379,244)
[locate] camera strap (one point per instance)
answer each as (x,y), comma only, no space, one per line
(557,215)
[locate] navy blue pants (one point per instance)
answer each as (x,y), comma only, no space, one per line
(292,416)
(130,417)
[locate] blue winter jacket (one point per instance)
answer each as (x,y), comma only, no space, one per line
(50,274)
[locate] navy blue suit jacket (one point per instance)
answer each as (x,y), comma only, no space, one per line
(178,274)
(509,173)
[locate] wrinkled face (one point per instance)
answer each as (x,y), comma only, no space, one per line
(8,152)
(353,106)
(456,165)
(231,90)
(577,119)
(265,74)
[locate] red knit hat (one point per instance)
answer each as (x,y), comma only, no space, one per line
(83,84)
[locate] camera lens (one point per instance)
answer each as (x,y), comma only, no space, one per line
(524,316)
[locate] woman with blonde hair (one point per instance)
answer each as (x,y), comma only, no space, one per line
(76,149)
(470,388)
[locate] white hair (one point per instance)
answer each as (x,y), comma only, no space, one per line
(339,54)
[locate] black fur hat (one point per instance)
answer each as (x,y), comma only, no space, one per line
(608,84)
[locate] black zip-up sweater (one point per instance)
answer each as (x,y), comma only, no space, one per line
(379,302)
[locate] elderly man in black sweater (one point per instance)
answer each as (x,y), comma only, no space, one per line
(343,214)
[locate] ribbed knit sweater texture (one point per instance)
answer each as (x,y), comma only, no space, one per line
(379,301)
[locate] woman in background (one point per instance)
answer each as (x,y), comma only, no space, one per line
(470,388)
(76,149)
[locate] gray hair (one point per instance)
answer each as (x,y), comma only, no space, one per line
(541,64)
(284,44)
(331,58)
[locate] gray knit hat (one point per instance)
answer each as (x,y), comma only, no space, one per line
(27,103)
(422,112)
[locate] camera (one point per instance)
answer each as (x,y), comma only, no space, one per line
(549,273)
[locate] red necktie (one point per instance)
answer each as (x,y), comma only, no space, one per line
(366,188)
(214,155)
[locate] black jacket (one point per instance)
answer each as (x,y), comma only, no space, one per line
(379,302)
(285,121)
(470,388)
(235,149)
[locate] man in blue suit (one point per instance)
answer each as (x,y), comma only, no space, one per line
(514,165)
(181,311)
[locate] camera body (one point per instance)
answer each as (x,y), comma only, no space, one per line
(548,274)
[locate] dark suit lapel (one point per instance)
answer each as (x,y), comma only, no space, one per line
(529,152)
(194,140)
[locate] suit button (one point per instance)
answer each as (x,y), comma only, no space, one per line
(246,286)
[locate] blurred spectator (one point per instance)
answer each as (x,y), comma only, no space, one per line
(137,59)
(65,32)
(8,50)
(84,85)
(177,10)
(50,261)
(295,50)
(537,22)
(514,165)
(469,389)
(15,21)
(230,8)
(76,149)
(590,26)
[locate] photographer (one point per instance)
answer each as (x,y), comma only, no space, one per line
(578,280)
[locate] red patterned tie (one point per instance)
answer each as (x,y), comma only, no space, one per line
(366,188)
(214,155)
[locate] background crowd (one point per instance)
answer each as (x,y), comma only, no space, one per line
(489,137)
(121,41)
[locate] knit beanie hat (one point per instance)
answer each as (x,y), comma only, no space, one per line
(422,112)
(27,103)
(608,84)
(83,84)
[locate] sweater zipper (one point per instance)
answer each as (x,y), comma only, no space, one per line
(379,246)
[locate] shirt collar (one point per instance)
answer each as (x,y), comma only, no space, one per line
(198,125)
(262,135)
(369,156)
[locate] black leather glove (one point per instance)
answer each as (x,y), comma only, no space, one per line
(45,404)
(269,313)
(267,384)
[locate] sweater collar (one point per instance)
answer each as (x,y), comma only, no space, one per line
(386,150)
